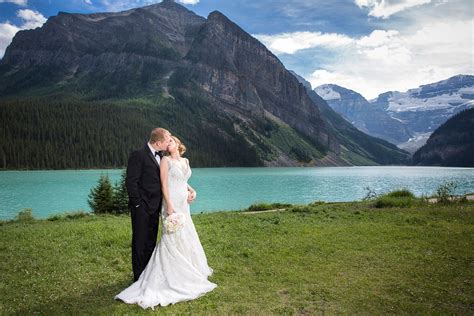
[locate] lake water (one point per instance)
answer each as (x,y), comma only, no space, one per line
(52,192)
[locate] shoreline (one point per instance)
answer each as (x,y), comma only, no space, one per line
(269,208)
(250,167)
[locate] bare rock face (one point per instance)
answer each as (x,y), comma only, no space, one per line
(240,71)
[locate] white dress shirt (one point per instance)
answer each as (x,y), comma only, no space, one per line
(153,150)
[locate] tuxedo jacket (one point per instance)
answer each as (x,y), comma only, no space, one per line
(143,180)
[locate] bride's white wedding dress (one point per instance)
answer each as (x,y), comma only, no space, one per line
(178,269)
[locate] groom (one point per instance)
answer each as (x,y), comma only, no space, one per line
(145,197)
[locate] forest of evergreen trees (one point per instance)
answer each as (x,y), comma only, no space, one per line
(451,144)
(39,134)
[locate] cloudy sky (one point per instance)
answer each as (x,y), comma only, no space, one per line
(370,46)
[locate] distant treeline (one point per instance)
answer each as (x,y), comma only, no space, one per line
(49,134)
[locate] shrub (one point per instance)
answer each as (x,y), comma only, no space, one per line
(120,196)
(445,192)
(397,198)
(401,193)
(25,215)
(301,209)
(68,215)
(316,203)
(370,195)
(101,196)
(77,214)
(266,206)
(105,198)
(388,201)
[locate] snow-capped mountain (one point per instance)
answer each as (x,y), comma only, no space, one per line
(362,114)
(447,94)
(418,111)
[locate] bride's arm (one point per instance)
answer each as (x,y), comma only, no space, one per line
(191,191)
(164,185)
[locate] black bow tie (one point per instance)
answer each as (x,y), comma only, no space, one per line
(159,153)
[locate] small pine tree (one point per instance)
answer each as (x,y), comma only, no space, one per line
(101,196)
(120,199)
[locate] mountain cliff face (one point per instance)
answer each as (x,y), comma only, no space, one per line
(208,81)
(451,144)
(403,118)
(250,80)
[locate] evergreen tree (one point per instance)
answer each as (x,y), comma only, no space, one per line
(101,196)
(120,198)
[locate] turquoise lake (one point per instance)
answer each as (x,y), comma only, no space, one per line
(52,192)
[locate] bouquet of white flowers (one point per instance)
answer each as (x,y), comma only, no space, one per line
(174,222)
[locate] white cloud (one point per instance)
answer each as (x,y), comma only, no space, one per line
(193,2)
(383,47)
(18,2)
(388,60)
(88,2)
(384,8)
(30,19)
(385,60)
(7,31)
(290,43)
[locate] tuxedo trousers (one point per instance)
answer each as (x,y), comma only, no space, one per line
(144,233)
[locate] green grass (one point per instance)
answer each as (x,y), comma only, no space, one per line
(322,258)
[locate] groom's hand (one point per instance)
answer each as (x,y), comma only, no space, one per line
(191,196)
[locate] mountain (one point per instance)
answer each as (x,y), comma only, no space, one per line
(85,89)
(403,118)
(451,144)
(356,143)
(101,55)
(358,111)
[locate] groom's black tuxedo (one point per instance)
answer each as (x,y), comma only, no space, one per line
(145,199)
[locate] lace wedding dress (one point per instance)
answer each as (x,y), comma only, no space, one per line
(178,269)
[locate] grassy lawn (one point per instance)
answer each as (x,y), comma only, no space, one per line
(314,259)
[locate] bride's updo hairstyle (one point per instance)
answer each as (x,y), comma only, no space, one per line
(181,147)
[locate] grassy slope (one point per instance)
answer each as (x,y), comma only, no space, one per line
(333,258)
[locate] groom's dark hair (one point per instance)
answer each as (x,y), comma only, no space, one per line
(158,134)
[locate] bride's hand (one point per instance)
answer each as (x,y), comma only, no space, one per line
(170,209)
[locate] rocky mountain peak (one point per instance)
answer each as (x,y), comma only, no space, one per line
(217,15)
(166,5)
(302,80)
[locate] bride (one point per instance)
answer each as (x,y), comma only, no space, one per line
(178,269)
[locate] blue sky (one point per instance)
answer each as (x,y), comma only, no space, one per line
(370,46)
